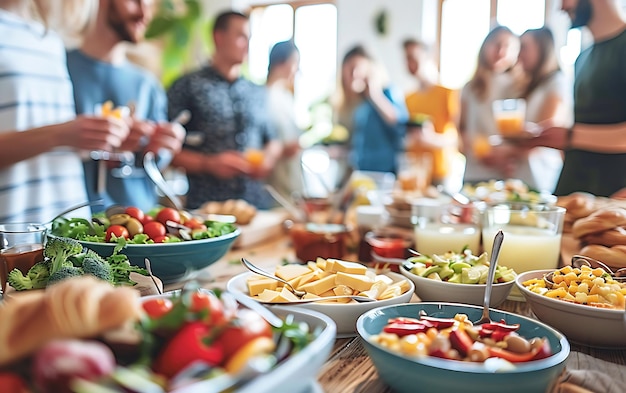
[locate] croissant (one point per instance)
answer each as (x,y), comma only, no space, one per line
(577,205)
(614,257)
(80,307)
(599,221)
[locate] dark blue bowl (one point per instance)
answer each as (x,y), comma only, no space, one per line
(430,374)
(172,262)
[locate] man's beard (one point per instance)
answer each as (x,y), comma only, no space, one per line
(116,23)
(582,14)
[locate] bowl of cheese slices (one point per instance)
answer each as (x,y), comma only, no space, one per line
(325,278)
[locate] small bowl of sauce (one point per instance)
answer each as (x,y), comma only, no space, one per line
(311,240)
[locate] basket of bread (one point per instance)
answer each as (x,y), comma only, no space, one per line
(242,210)
(599,225)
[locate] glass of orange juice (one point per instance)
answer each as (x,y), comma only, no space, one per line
(509,115)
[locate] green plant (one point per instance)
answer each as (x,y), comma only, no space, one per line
(184,36)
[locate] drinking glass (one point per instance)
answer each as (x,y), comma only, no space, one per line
(442,227)
(532,235)
(21,246)
(510,115)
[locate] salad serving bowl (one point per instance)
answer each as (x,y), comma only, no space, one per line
(430,374)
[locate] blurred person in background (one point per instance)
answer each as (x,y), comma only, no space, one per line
(40,168)
(548,99)
(432,104)
(595,147)
(231,145)
(495,78)
(284,60)
(372,111)
(100,73)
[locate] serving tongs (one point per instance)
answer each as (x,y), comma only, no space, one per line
(578,261)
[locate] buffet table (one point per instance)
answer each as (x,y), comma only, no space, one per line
(349,368)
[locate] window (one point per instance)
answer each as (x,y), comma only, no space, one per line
(464,25)
(318,52)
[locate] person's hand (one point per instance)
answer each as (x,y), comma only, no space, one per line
(139,132)
(555,137)
(229,164)
(621,194)
(94,133)
(504,158)
(169,136)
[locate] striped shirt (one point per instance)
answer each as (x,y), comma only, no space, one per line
(35,90)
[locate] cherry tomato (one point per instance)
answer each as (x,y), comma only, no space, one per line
(208,302)
(168,214)
(118,231)
(135,212)
(160,239)
(146,219)
(156,308)
(154,229)
(245,327)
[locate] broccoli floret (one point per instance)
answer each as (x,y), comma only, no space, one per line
(78,259)
(18,281)
(39,274)
(98,267)
(64,273)
(58,250)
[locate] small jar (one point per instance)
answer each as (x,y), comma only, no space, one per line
(312,240)
(389,244)
(368,218)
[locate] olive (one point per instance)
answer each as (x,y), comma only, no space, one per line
(113,210)
(134,226)
(119,219)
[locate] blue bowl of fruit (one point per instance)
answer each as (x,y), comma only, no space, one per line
(435,347)
(176,243)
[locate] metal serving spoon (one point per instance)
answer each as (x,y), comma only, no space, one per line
(299,294)
(493,262)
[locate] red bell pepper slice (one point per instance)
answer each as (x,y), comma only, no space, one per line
(188,345)
(536,353)
(440,323)
(500,326)
(461,341)
(404,329)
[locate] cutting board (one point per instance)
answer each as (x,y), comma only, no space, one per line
(265,225)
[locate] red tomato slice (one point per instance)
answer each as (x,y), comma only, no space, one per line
(245,327)
(157,307)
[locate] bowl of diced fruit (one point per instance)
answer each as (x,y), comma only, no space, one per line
(325,278)
(176,243)
(457,278)
(513,354)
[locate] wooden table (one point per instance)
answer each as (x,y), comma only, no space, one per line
(349,368)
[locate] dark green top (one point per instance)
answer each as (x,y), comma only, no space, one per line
(599,98)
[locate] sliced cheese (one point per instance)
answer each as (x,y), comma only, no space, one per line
(286,296)
(386,279)
(257,286)
(347,267)
(320,286)
(358,282)
(268,295)
(321,263)
(289,272)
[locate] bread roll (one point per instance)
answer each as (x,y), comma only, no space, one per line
(577,205)
(608,238)
(80,307)
(614,257)
(599,221)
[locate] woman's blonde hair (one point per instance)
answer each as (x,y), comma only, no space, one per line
(66,17)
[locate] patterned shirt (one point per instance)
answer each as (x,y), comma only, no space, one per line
(35,90)
(224,116)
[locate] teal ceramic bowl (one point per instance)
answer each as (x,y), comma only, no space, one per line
(429,374)
(173,262)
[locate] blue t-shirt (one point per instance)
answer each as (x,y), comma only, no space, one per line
(96,82)
(375,143)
